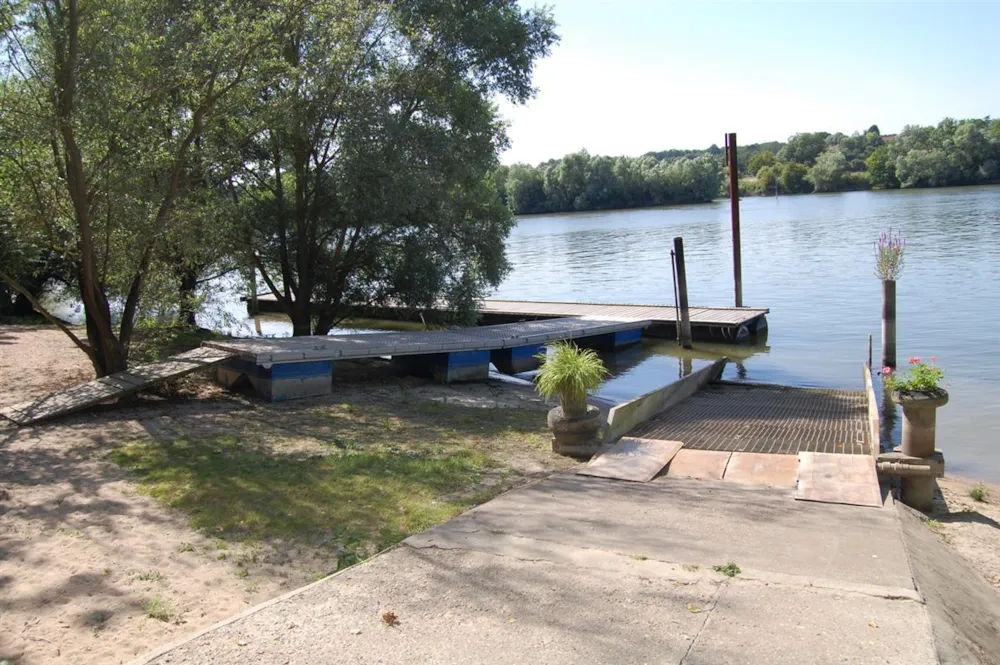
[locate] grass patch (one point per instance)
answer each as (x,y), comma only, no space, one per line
(979,493)
(691,567)
(639,557)
(151,576)
(185,547)
(380,473)
(729,570)
(157,608)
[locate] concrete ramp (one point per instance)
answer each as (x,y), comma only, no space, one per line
(116,385)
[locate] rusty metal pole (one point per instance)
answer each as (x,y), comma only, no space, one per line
(684,331)
(734,204)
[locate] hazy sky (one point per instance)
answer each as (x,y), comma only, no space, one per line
(631,76)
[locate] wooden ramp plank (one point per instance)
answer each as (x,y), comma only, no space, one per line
(833,478)
(699,464)
(638,460)
(116,385)
(762,469)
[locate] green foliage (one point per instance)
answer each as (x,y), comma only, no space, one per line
(828,173)
(580,181)
(569,373)
(979,493)
(881,169)
(804,148)
(794,178)
(158,608)
(729,570)
(921,376)
(760,160)
(372,162)
(767,178)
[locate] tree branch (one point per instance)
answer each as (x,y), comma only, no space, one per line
(44,312)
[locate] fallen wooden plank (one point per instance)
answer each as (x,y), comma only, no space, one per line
(833,478)
(116,385)
(638,460)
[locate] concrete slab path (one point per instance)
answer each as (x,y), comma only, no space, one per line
(577,569)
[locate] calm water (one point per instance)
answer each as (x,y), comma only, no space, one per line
(810,260)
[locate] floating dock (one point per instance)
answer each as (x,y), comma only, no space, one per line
(293,367)
(727,324)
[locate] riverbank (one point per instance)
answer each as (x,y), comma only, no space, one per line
(128,526)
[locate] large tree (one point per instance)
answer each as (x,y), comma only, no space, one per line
(368,181)
(102,104)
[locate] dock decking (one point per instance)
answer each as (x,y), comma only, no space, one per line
(732,324)
(486,338)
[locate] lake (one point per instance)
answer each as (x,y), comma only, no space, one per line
(810,259)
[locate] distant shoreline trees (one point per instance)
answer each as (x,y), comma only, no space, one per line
(952,153)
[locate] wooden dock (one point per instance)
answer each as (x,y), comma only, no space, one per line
(725,324)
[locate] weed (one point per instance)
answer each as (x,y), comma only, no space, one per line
(151,576)
(729,570)
(242,573)
(691,567)
(74,533)
(389,618)
(185,547)
(979,493)
(107,572)
(252,587)
(221,556)
(157,608)
(639,557)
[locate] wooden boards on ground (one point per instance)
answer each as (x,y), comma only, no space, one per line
(638,460)
(116,385)
(833,478)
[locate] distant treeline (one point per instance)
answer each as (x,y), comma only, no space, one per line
(955,152)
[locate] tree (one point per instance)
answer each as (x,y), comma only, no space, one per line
(767,178)
(804,148)
(881,169)
(369,180)
(794,178)
(760,160)
(104,103)
(829,171)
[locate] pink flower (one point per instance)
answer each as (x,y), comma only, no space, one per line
(887,370)
(914,360)
(933,359)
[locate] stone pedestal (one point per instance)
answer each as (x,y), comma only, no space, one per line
(575,436)
(919,430)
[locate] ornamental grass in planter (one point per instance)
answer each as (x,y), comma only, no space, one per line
(569,374)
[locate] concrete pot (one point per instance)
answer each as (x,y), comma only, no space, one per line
(919,425)
(919,419)
(575,436)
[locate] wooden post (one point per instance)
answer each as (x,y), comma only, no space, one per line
(734,205)
(889,324)
(684,332)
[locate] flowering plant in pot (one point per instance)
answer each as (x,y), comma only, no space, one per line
(568,374)
(919,392)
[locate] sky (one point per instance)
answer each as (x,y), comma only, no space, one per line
(633,76)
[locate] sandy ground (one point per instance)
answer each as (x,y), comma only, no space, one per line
(971,527)
(83,554)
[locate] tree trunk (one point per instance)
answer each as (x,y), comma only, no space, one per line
(301,316)
(188,298)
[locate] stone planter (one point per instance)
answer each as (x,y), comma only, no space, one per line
(919,419)
(919,425)
(575,436)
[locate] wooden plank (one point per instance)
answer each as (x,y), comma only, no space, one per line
(699,464)
(762,469)
(116,385)
(637,460)
(833,478)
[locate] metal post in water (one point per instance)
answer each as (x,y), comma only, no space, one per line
(870,351)
(734,204)
(684,331)
(889,324)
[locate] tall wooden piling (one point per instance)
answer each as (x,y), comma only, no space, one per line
(684,331)
(734,205)
(889,324)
